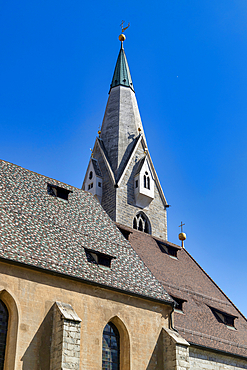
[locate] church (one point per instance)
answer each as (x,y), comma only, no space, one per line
(88,279)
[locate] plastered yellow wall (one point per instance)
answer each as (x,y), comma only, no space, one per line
(139,320)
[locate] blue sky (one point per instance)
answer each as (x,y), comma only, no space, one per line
(188,63)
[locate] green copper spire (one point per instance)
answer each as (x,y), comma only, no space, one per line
(121,74)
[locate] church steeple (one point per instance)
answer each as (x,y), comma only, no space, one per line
(122,122)
(120,172)
(121,74)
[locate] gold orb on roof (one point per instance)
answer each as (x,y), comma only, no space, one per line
(182,236)
(121,37)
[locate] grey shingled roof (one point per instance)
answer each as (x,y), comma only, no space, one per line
(40,230)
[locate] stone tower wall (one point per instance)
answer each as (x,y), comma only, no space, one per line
(108,191)
(126,207)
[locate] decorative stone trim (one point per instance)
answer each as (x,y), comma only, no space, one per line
(66,333)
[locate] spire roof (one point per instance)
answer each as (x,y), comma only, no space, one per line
(121,74)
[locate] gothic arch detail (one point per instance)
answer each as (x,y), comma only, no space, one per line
(142,223)
(123,343)
(12,327)
(4,318)
(146,180)
(110,347)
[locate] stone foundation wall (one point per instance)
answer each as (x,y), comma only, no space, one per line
(207,360)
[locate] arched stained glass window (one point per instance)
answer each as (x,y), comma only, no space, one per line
(4,316)
(110,348)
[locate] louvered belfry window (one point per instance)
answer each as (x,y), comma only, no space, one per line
(4,317)
(110,348)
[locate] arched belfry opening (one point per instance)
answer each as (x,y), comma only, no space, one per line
(142,223)
(4,319)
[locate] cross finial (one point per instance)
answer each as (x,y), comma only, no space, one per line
(181,226)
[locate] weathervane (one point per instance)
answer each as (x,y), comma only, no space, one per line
(123,29)
(122,37)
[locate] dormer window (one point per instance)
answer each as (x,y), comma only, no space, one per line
(146,180)
(141,223)
(224,317)
(179,304)
(124,232)
(171,250)
(58,192)
(98,258)
(90,175)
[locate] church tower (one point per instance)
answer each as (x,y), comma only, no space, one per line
(121,173)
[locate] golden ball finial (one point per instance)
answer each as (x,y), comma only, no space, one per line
(121,37)
(182,236)
(99,132)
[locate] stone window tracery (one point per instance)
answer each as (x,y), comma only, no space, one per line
(141,223)
(110,347)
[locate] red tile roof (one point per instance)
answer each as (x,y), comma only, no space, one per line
(184,278)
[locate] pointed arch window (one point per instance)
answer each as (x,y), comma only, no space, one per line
(146,180)
(110,348)
(141,223)
(4,318)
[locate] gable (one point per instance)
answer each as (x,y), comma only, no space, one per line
(141,146)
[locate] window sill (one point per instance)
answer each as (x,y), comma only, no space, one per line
(173,257)
(179,311)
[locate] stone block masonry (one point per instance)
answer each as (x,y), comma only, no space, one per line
(126,208)
(66,334)
(207,360)
(176,351)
